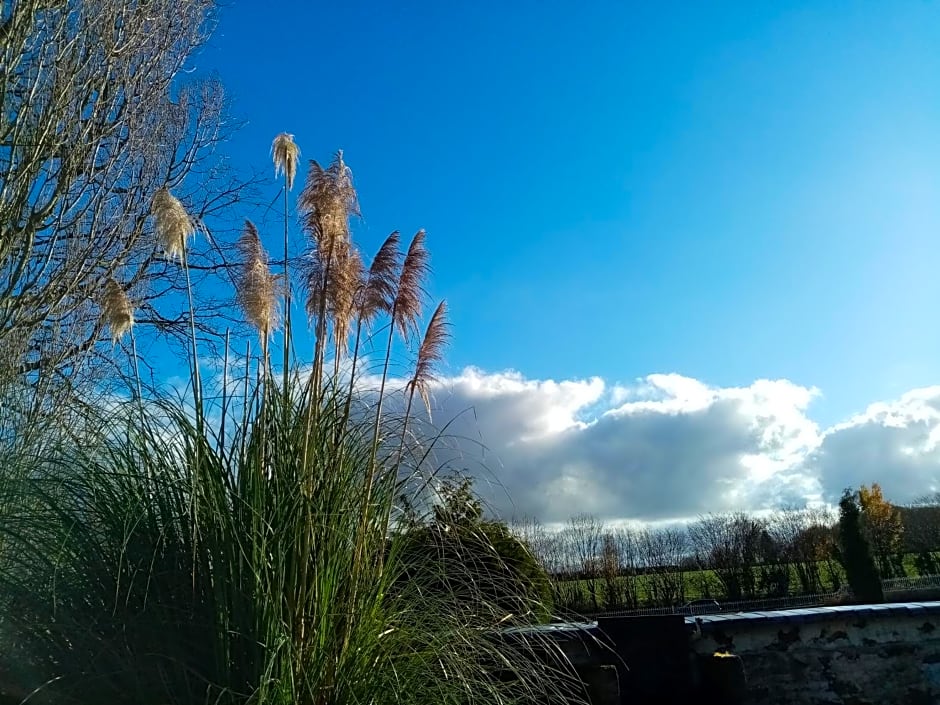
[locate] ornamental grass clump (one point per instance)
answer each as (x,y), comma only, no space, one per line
(262,548)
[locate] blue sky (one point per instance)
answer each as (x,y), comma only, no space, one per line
(730,192)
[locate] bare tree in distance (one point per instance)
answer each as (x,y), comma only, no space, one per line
(610,569)
(729,544)
(628,546)
(584,537)
(542,543)
(805,535)
(553,552)
(773,564)
(93,124)
(732,556)
(921,521)
(662,552)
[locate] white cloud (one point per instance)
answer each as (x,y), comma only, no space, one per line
(669,446)
(896,444)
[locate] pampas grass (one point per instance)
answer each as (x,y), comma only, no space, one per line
(118,313)
(377,294)
(285,154)
(430,354)
(117,310)
(173,224)
(411,294)
(327,202)
(345,284)
(257,287)
(173,228)
(333,265)
(150,557)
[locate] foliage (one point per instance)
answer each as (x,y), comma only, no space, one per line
(855,552)
(883,528)
(482,551)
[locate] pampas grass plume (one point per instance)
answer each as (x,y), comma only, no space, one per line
(326,203)
(257,289)
(378,291)
(345,284)
(285,153)
(173,224)
(410,295)
(430,353)
(117,310)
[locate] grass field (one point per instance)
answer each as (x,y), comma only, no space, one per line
(696,584)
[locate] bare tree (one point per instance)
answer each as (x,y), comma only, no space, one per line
(92,125)
(553,552)
(729,544)
(772,564)
(584,536)
(805,538)
(921,535)
(662,552)
(542,543)
(628,548)
(610,570)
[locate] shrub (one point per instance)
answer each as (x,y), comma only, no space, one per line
(855,553)
(481,555)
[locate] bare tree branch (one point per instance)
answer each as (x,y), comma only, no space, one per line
(92,123)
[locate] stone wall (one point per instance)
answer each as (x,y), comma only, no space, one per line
(848,655)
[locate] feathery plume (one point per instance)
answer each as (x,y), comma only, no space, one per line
(378,291)
(285,154)
(430,353)
(345,283)
(333,291)
(314,272)
(174,226)
(257,290)
(117,310)
(327,202)
(410,295)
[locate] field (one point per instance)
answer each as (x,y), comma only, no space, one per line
(686,586)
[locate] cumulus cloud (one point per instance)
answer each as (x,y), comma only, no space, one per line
(670,447)
(896,444)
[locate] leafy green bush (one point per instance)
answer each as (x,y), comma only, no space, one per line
(481,555)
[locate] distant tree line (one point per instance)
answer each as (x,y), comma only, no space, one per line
(595,566)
